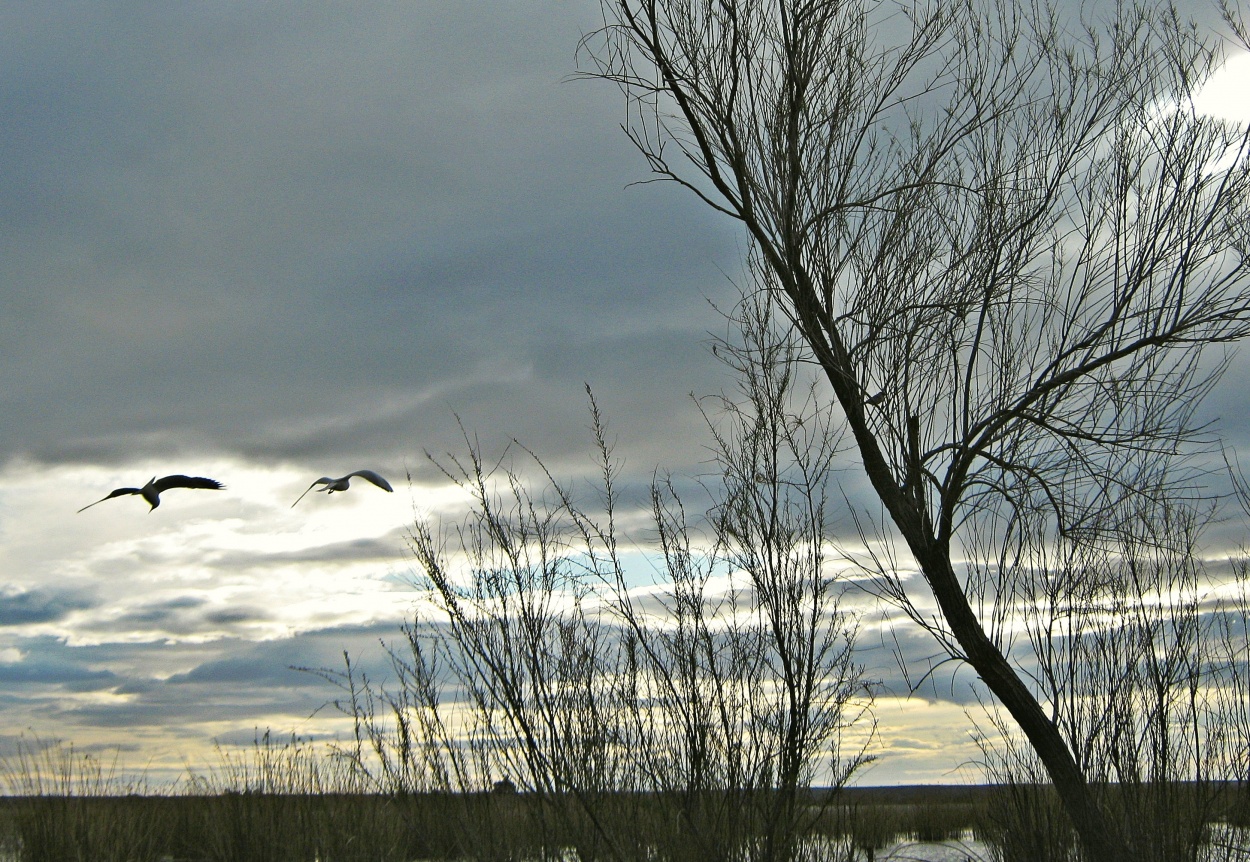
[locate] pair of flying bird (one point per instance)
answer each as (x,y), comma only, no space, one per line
(155,487)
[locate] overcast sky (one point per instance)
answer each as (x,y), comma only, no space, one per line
(270,242)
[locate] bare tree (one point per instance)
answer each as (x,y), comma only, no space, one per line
(1007,239)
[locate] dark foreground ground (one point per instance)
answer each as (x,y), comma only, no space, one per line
(510,826)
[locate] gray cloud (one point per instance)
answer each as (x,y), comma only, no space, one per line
(235,681)
(70,676)
(182,616)
(297,233)
(23,607)
(387,548)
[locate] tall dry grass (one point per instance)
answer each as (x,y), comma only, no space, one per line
(280,799)
(286,798)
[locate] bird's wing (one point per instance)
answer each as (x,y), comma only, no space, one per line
(117,493)
(324,480)
(179,481)
(374,478)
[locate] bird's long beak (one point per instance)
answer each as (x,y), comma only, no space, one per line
(301,496)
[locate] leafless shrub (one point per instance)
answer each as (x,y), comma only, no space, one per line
(702,700)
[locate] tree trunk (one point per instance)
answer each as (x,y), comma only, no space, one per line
(906,506)
(1097,835)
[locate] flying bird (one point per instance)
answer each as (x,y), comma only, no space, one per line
(340,484)
(152,490)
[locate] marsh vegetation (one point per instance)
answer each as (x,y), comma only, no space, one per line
(291,800)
